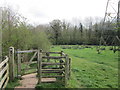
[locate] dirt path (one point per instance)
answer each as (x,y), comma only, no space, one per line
(28,81)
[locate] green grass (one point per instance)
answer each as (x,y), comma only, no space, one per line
(88,69)
(12,84)
(49,85)
(92,70)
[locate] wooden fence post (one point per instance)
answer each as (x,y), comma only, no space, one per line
(47,54)
(61,61)
(69,68)
(66,69)
(61,53)
(39,66)
(11,63)
(19,65)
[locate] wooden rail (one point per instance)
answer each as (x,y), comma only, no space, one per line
(4,73)
(26,51)
(52,57)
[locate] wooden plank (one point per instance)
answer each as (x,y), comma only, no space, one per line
(48,80)
(118,38)
(52,52)
(53,57)
(28,69)
(3,62)
(26,51)
(3,70)
(3,79)
(52,69)
(6,82)
(29,72)
(33,57)
(55,76)
(53,63)
(33,62)
(30,63)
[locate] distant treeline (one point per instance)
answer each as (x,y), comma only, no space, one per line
(63,33)
(18,33)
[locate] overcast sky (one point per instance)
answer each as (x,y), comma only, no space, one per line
(44,11)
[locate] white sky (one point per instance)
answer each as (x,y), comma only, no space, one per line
(44,11)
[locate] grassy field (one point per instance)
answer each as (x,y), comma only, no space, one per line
(88,69)
(92,70)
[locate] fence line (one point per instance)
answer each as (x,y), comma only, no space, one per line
(4,73)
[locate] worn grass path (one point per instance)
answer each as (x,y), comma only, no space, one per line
(28,81)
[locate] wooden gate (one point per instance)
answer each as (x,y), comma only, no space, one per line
(25,66)
(53,67)
(50,66)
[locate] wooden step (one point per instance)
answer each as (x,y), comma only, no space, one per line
(48,80)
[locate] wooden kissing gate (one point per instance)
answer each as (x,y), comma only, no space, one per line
(50,65)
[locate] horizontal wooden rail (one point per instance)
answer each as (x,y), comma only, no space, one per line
(28,68)
(52,52)
(30,62)
(26,51)
(53,57)
(53,63)
(53,69)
